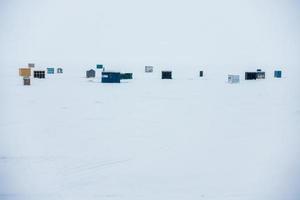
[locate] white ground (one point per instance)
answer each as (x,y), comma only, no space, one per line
(67,137)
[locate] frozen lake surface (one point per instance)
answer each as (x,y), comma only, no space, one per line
(67,137)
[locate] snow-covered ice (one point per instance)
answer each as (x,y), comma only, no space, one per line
(68,137)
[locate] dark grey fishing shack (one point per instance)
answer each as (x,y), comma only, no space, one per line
(250,75)
(126,76)
(91,73)
(166,75)
(260,74)
(39,74)
(201,73)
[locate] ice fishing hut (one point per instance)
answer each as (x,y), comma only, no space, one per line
(260,74)
(99,66)
(91,73)
(50,70)
(201,73)
(25,72)
(31,65)
(166,75)
(250,75)
(233,78)
(126,76)
(277,74)
(38,74)
(148,69)
(26,80)
(59,70)
(111,77)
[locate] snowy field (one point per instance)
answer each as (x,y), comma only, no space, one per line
(72,138)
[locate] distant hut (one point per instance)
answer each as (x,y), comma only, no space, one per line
(25,72)
(260,75)
(233,78)
(148,69)
(91,73)
(31,65)
(99,66)
(111,77)
(277,73)
(250,75)
(38,74)
(50,70)
(166,75)
(26,81)
(201,73)
(126,76)
(59,70)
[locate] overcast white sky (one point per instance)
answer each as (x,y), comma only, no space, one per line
(166,32)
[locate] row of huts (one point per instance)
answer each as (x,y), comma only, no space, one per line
(116,77)
(259,74)
(26,72)
(109,77)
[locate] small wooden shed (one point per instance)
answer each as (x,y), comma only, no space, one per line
(25,72)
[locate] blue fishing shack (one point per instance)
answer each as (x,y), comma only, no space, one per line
(50,70)
(111,77)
